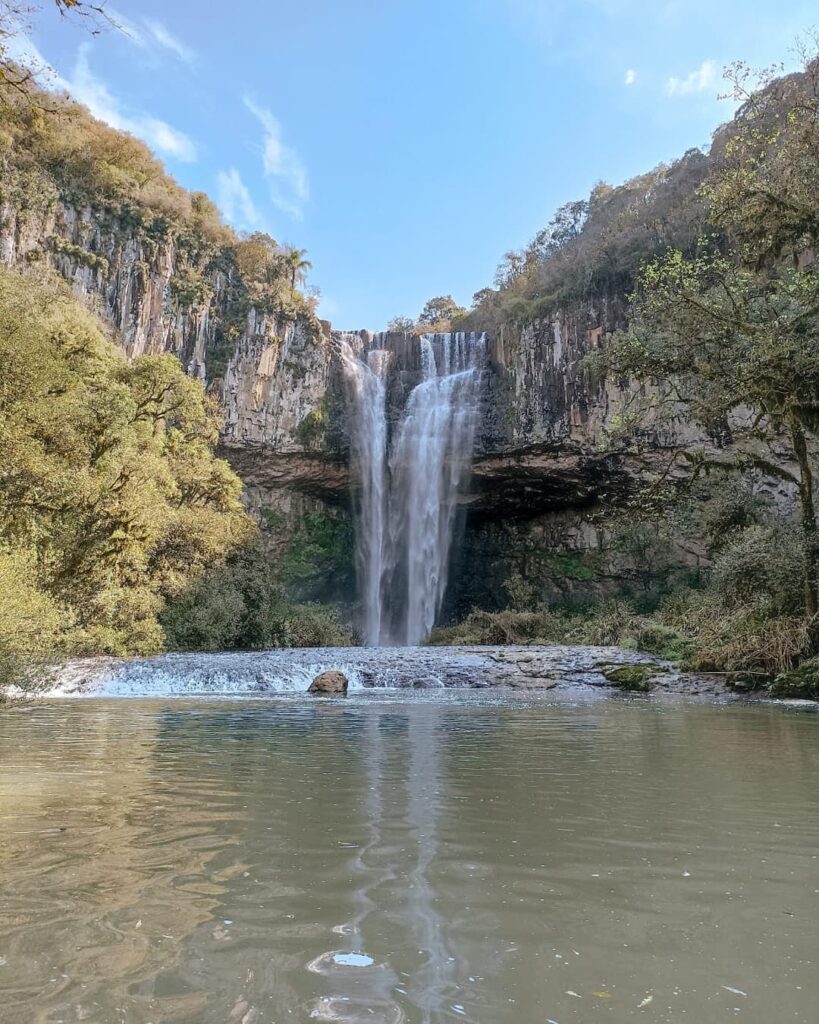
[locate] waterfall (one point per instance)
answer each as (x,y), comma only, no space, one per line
(368,456)
(407,484)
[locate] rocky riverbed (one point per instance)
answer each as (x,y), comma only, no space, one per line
(293,670)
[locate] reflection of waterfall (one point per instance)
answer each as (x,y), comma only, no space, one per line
(435,979)
(407,487)
(397,962)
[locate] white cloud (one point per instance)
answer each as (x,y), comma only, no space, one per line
(91,91)
(283,168)
(126,26)
(169,42)
(94,93)
(235,201)
(151,35)
(631,76)
(699,80)
(22,51)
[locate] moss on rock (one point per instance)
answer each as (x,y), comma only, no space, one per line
(630,677)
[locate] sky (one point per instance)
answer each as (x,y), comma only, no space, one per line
(408,144)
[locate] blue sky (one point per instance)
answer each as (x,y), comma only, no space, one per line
(407,144)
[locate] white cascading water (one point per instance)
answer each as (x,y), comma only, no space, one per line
(368,452)
(406,491)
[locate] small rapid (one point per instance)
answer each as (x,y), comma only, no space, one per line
(291,670)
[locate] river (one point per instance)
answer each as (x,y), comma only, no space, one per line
(431,856)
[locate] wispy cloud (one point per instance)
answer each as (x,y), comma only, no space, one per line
(235,201)
(630,77)
(22,51)
(699,80)
(152,35)
(128,27)
(285,173)
(86,87)
(169,42)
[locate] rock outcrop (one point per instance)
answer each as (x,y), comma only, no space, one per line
(330,684)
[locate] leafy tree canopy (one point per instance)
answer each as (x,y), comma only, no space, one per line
(111,499)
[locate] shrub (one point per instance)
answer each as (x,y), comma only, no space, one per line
(801,683)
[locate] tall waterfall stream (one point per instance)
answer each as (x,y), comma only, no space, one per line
(408,478)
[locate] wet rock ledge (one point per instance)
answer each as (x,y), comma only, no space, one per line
(562,669)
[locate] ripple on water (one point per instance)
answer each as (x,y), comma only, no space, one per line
(169,860)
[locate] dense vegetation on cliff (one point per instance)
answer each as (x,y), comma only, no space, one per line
(120,531)
(55,157)
(714,261)
(111,500)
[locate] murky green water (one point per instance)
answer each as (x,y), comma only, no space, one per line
(399,858)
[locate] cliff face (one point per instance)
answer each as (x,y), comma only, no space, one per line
(547,448)
(544,439)
(270,374)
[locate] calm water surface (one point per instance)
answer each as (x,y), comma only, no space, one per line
(408,859)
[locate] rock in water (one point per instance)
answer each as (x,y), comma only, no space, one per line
(334,683)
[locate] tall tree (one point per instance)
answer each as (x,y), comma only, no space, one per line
(401,323)
(297,266)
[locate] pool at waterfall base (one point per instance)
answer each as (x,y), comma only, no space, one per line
(447,854)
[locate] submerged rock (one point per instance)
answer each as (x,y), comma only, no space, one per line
(329,682)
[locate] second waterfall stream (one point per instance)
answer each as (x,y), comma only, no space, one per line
(408,469)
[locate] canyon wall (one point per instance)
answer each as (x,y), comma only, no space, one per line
(550,444)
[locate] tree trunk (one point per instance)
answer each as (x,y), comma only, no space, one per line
(809,532)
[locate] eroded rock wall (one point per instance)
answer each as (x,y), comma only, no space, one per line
(270,374)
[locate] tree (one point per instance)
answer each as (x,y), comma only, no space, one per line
(297,266)
(401,324)
(727,338)
(764,189)
(440,314)
(111,499)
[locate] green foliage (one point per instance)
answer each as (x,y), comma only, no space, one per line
(110,497)
(91,259)
(241,605)
(315,625)
(764,187)
(402,324)
(572,567)
(52,150)
(504,627)
(520,592)
(319,558)
(762,565)
(800,684)
(595,247)
(311,430)
(272,518)
(440,314)
(189,287)
(634,678)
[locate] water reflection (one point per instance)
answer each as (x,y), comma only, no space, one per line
(407,861)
